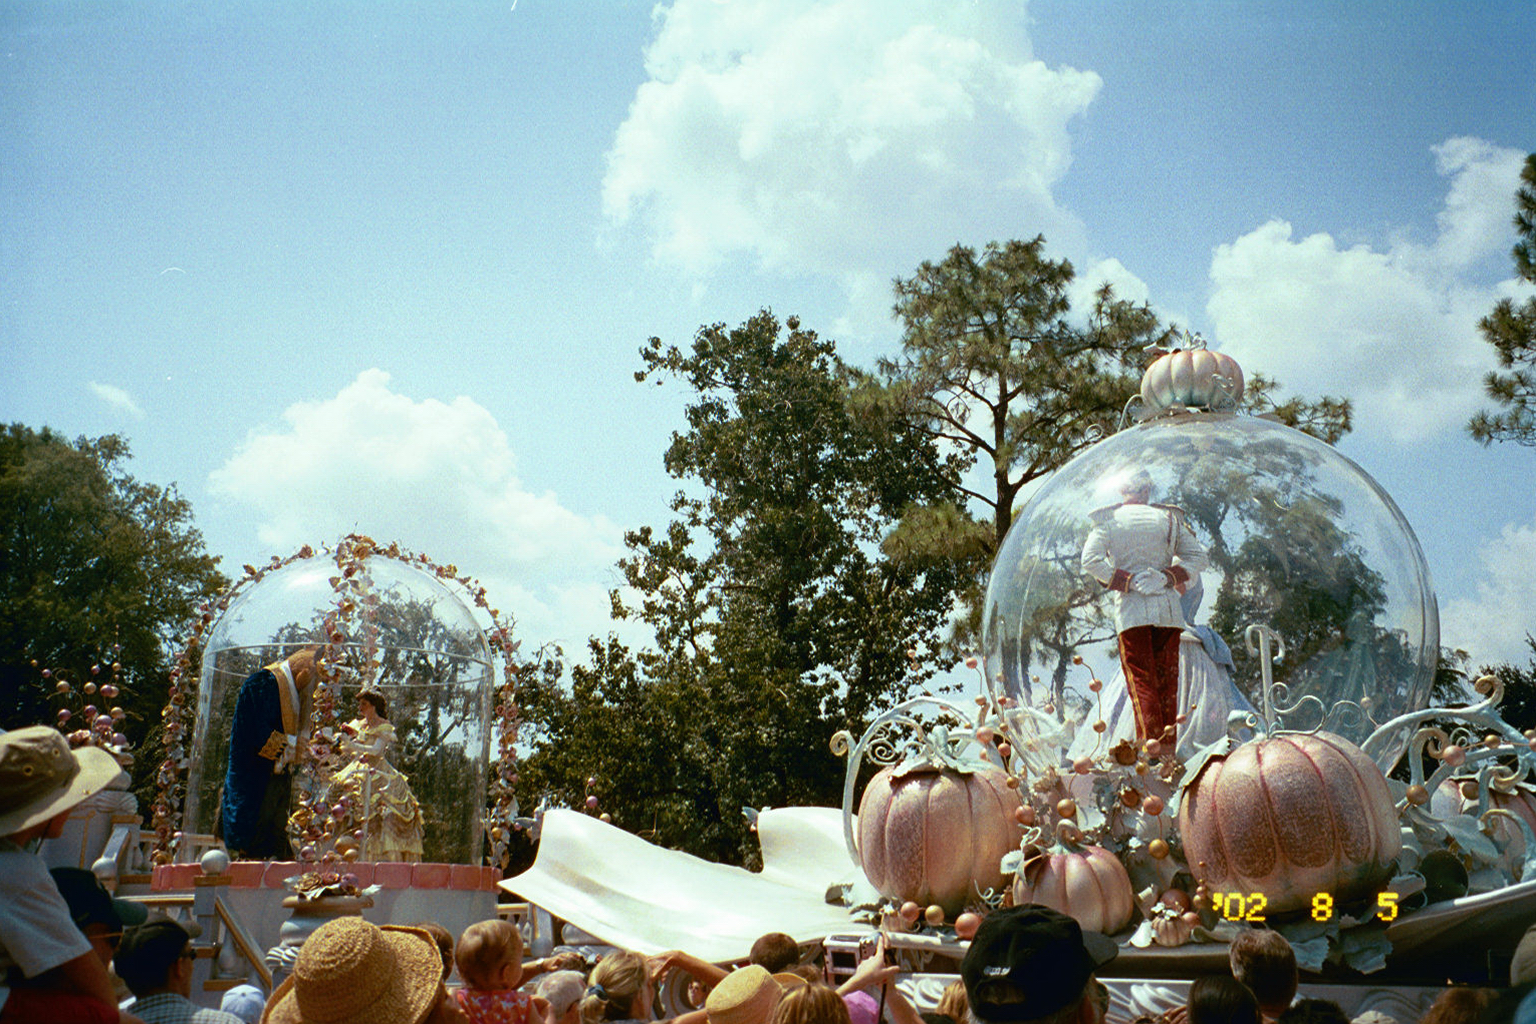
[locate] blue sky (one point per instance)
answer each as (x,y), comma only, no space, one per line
(386,266)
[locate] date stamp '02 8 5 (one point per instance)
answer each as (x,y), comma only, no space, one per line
(1253,906)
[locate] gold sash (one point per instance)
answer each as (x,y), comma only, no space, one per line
(281,747)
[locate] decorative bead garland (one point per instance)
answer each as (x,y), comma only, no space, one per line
(93,726)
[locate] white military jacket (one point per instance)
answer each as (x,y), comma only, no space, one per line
(1127,539)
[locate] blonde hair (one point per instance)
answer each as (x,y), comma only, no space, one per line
(811,1004)
(953,1003)
(484,948)
(614,986)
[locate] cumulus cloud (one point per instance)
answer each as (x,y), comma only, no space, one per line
(440,478)
(1393,328)
(1110,271)
(117,398)
(1491,626)
(845,137)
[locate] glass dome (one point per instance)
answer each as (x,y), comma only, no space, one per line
(1297,537)
(392,627)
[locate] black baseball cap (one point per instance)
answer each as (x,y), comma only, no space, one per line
(1036,959)
(90,903)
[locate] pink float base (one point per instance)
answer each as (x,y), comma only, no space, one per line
(271,874)
(453,895)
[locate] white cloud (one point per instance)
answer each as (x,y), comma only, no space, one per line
(117,398)
(1088,280)
(1491,626)
(439,478)
(1394,329)
(842,137)
(1090,277)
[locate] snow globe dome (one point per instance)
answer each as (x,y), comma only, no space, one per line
(1297,538)
(381,623)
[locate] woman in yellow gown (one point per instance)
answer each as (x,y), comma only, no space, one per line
(385,809)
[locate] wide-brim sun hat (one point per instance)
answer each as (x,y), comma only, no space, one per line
(353,972)
(40,777)
(747,996)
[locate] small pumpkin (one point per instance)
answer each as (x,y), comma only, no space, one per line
(1291,815)
(1171,929)
(1518,799)
(1085,882)
(936,835)
(1191,377)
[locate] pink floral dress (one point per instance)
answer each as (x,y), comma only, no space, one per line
(500,1006)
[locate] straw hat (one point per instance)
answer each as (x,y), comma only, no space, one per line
(747,996)
(40,777)
(353,972)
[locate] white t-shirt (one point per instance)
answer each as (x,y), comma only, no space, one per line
(36,931)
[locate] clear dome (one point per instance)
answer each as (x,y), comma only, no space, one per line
(1298,538)
(398,630)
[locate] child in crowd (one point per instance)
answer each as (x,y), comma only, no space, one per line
(490,960)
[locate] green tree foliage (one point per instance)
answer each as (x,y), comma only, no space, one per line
(777,621)
(991,366)
(93,558)
(1327,418)
(1511,330)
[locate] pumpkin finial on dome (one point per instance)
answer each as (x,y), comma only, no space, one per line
(1190,377)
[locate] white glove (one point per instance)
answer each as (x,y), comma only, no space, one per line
(1149,582)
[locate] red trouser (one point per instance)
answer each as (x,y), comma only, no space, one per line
(1150,657)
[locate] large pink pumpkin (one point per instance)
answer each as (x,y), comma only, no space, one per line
(1192,377)
(1291,816)
(935,835)
(1088,883)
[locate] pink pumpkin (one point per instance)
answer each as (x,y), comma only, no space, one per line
(1088,883)
(1192,377)
(936,836)
(1173,931)
(1290,816)
(1520,801)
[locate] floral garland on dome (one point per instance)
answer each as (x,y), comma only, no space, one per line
(353,596)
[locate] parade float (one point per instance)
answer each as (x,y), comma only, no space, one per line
(1307,785)
(397,800)
(1272,760)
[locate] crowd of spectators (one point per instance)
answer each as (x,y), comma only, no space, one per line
(62,936)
